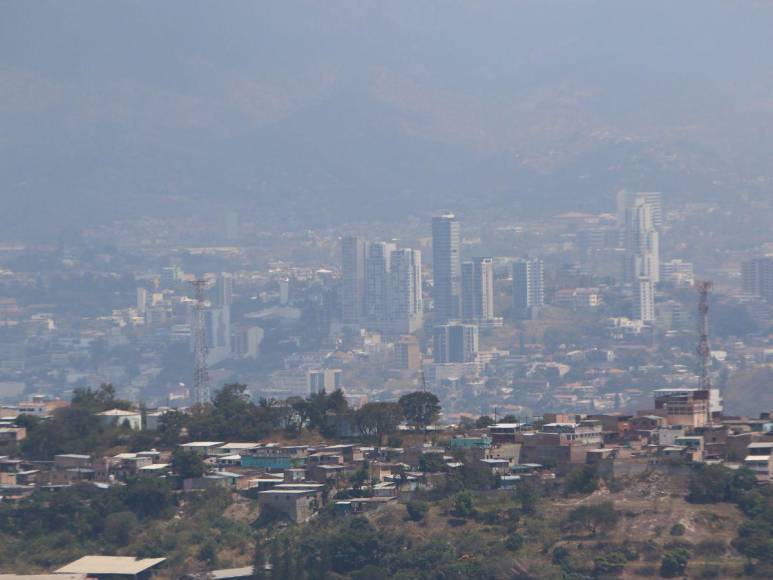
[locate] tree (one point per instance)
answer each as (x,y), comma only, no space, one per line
(528,493)
(432,463)
(595,516)
(420,408)
(186,463)
(581,480)
(378,419)
(483,422)
(148,497)
(463,504)
(120,527)
(674,562)
(417,510)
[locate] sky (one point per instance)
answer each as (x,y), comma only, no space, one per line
(333,111)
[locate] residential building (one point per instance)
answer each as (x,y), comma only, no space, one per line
(528,288)
(405,302)
(377,281)
(327,380)
(455,343)
(644,300)
(686,407)
(478,290)
(408,353)
(446,267)
(353,279)
(642,243)
(757,277)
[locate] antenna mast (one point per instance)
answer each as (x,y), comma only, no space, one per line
(704,350)
(201,373)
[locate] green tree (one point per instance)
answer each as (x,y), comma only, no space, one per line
(674,562)
(417,510)
(464,504)
(594,517)
(187,463)
(582,480)
(120,527)
(483,421)
(377,420)
(420,408)
(432,463)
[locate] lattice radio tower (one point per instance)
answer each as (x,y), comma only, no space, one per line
(201,373)
(704,350)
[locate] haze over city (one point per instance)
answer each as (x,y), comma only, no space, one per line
(413,289)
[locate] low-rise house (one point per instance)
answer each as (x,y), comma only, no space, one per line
(300,505)
(120,418)
(761,465)
(113,567)
(205,448)
(12,434)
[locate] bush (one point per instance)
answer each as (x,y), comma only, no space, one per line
(463,505)
(514,542)
(611,564)
(417,510)
(678,530)
(581,480)
(674,563)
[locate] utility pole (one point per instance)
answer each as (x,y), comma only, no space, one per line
(201,393)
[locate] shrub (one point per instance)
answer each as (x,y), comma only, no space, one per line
(463,505)
(611,564)
(674,562)
(514,542)
(678,530)
(417,510)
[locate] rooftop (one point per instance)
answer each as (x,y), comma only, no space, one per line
(109,565)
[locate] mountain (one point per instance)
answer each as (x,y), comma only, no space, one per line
(352,110)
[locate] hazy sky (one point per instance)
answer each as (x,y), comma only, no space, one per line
(114,108)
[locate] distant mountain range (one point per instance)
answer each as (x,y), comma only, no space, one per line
(332,111)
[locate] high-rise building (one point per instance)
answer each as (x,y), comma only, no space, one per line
(654,199)
(642,244)
(446,267)
(644,300)
(528,288)
(478,289)
(353,282)
(677,272)
(405,303)
(142,300)
(224,290)
(455,343)
(319,380)
(407,353)
(378,264)
(757,277)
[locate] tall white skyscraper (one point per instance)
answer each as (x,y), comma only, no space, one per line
(478,289)
(642,244)
(644,300)
(353,279)
(406,307)
(377,281)
(528,287)
(446,267)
